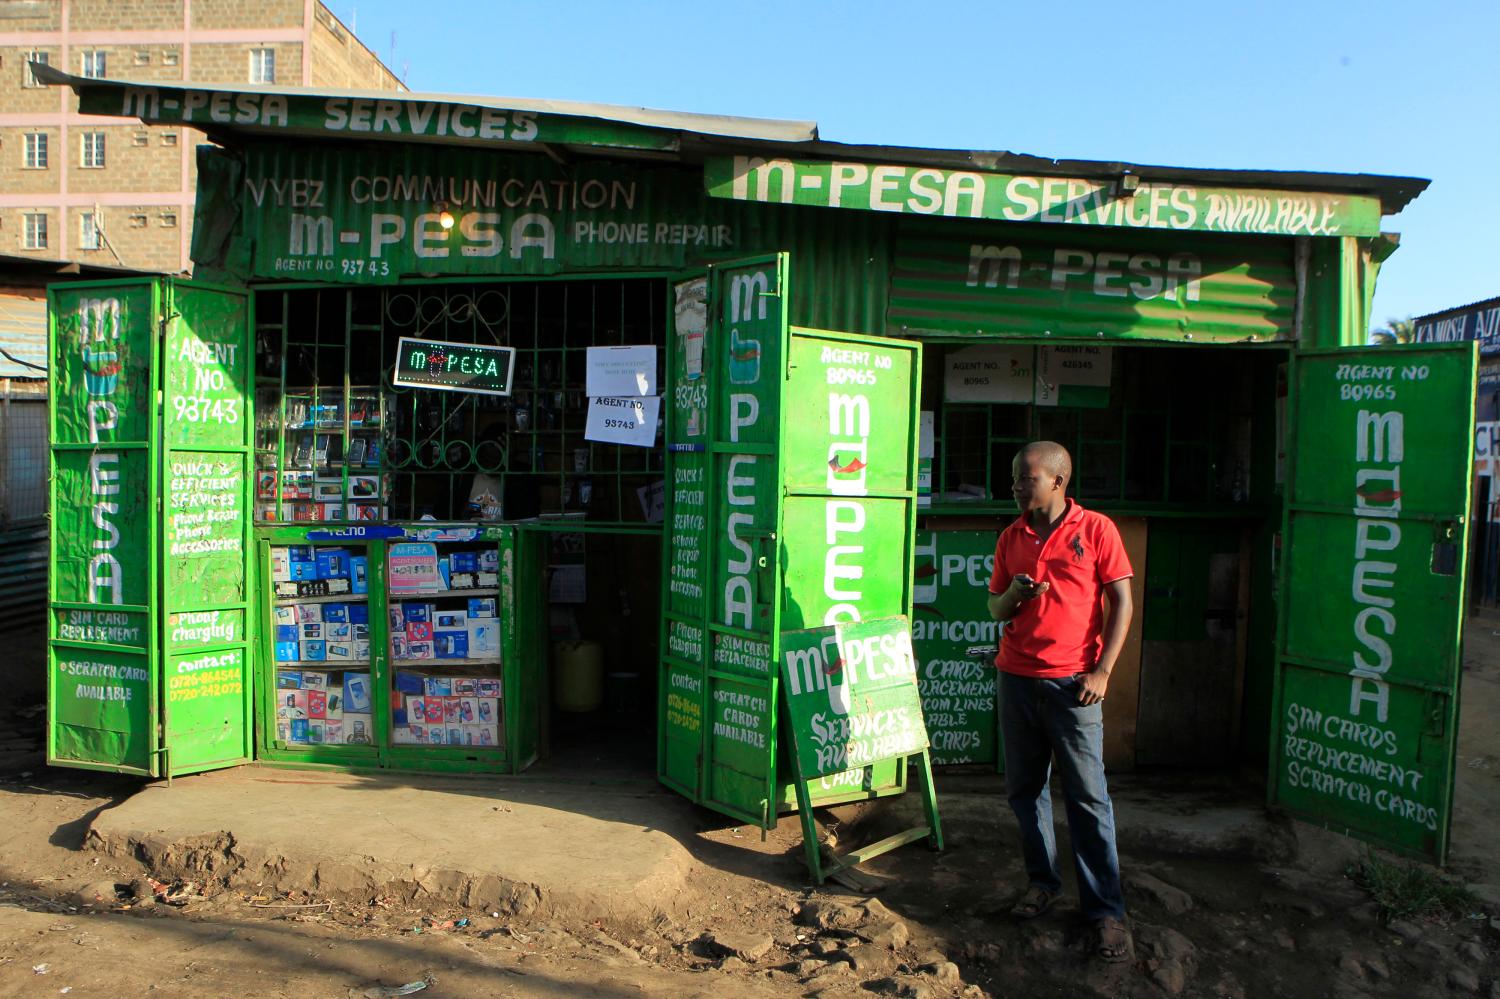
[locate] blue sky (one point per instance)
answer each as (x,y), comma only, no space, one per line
(1358,86)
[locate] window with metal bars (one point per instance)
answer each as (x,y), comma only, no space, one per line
(1176,429)
(337,441)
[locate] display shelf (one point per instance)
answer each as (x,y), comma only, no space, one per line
(332,598)
(400,596)
(439,663)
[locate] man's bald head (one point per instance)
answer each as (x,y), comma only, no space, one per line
(1050,456)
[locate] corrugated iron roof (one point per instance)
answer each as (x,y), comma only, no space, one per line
(701,135)
(767,129)
(23,336)
(1483,303)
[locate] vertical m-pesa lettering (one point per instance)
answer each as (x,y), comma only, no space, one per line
(746,291)
(1378,452)
(98,322)
(844,519)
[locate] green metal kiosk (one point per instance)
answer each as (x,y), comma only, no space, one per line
(272,541)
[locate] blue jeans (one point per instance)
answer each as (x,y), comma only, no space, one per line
(1041,720)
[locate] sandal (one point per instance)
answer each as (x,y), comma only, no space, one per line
(1112,940)
(1033,902)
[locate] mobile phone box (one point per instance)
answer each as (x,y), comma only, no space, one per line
(451,644)
(333,563)
(450,620)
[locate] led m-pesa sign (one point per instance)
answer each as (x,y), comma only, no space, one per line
(454,367)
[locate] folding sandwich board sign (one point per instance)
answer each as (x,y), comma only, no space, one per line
(850,693)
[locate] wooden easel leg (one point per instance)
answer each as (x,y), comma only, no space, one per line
(809,831)
(929,801)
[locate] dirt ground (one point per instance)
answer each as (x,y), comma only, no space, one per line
(1276,918)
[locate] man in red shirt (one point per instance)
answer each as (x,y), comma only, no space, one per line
(1052,566)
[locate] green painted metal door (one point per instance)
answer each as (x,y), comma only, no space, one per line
(103,648)
(791,470)
(1371,596)
(717,708)
(148,654)
(681,706)
(849,476)
(205,608)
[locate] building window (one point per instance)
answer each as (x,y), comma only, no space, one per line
(169,138)
(88,231)
(93,149)
(28,78)
(169,57)
(169,220)
(35,237)
(142,57)
(140,139)
(94,64)
(138,221)
(36,151)
(262,65)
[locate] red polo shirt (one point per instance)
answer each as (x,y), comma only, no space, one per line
(1060,632)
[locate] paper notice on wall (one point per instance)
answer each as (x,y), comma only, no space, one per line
(1075,365)
(621,371)
(989,374)
(623,421)
(690,319)
(1073,376)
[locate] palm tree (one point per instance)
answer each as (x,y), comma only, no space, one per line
(1395,331)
